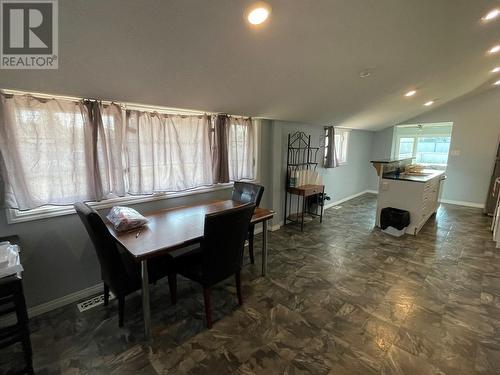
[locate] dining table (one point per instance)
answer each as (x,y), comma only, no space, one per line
(174,228)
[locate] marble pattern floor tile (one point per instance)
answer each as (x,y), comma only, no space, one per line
(340,298)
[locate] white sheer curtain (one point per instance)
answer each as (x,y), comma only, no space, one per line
(58,151)
(109,149)
(46,146)
(167,152)
(240,149)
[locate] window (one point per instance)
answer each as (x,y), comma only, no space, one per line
(240,149)
(60,151)
(45,147)
(341,145)
(406,147)
(427,144)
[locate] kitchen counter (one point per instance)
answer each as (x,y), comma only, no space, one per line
(428,174)
(417,194)
(389,161)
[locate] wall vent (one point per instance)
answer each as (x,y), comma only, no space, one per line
(93,302)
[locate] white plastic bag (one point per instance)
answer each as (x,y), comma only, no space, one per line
(125,218)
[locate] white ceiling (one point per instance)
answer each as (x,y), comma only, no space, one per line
(303,65)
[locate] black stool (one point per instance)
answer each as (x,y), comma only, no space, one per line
(12,301)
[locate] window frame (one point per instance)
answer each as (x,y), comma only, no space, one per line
(345,133)
(415,138)
(15,216)
(327,140)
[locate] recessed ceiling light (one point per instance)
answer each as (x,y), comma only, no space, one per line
(496,69)
(411,93)
(497,83)
(429,103)
(494,49)
(364,74)
(259,13)
(492,14)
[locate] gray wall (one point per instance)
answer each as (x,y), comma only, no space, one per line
(475,135)
(381,149)
(57,255)
(340,182)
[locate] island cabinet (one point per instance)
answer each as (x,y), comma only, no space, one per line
(418,194)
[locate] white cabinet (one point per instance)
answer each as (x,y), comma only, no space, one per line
(420,198)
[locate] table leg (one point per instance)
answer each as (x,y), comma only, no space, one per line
(303,209)
(264,248)
(145,300)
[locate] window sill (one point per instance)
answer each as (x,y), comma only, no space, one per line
(16,216)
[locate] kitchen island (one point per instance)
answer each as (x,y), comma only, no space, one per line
(418,192)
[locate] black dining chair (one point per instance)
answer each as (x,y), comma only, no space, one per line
(247,192)
(120,273)
(220,253)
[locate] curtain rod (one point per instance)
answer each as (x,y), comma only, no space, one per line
(125,105)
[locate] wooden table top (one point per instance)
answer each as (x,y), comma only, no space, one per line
(306,190)
(173,228)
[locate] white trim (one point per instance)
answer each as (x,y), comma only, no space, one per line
(329,205)
(65,300)
(16,216)
(462,203)
(57,303)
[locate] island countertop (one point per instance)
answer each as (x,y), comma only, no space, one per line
(427,175)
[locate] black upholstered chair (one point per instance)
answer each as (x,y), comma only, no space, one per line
(220,253)
(247,192)
(119,271)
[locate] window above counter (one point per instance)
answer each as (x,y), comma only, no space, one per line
(427,144)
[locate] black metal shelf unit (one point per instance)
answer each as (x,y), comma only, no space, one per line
(301,156)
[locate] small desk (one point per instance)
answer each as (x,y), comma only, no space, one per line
(174,228)
(304,191)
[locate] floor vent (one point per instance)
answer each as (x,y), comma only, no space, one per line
(93,302)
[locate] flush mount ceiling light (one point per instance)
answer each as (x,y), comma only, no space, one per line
(429,103)
(497,83)
(410,93)
(258,13)
(494,50)
(496,69)
(492,14)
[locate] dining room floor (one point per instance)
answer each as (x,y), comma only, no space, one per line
(340,298)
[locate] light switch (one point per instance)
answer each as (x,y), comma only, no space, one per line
(455,153)
(385,186)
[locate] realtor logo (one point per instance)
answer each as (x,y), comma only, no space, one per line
(29,37)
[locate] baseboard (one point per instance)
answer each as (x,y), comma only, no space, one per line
(462,203)
(271,228)
(65,300)
(336,203)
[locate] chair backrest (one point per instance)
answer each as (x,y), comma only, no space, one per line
(223,242)
(113,270)
(247,192)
